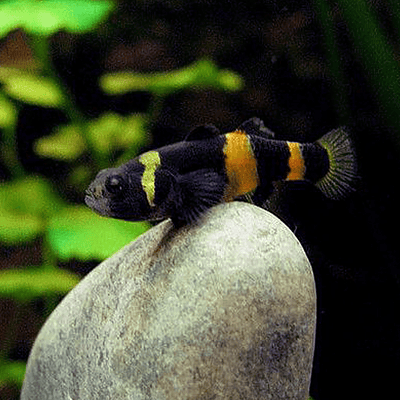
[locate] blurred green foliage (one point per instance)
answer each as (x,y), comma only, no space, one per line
(49,16)
(377,55)
(25,284)
(201,74)
(373,48)
(30,206)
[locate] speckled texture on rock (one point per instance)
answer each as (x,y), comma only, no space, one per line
(221,310)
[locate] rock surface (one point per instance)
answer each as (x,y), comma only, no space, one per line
(221,310)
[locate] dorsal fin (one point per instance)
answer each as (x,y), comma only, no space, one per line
(203,132)
(255,126)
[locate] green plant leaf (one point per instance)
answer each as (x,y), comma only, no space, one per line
(378,57)
(9,72)
(66,144)
(24,206)
(19,228)
(79,177)
(134,132)
(27,284)
(104,130)
(201,74)
(31,195)
(77,232)
(12,372)
(107,133)
(114,132)
(8,113)
(34,89)
(49,16)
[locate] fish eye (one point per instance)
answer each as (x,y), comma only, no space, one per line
(114,184)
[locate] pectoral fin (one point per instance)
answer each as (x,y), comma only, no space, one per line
(194,193)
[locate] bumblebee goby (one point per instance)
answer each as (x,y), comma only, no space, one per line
(183,180)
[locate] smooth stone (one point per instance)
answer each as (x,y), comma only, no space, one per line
(224,309)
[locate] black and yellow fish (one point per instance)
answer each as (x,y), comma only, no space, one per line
(183,180)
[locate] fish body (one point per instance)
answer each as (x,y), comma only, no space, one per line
(184,179)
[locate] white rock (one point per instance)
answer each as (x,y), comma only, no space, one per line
(221,310)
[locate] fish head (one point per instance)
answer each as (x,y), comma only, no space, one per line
(119,193)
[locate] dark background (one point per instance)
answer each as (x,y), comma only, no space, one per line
(278,47)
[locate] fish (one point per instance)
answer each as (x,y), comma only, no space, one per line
(183,180)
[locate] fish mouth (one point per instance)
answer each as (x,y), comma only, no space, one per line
(99,206)
(89,200)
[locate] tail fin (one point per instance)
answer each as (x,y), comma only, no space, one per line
(338,181)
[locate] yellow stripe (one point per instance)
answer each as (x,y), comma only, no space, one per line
(240,165)
(296,163)
(150,160)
